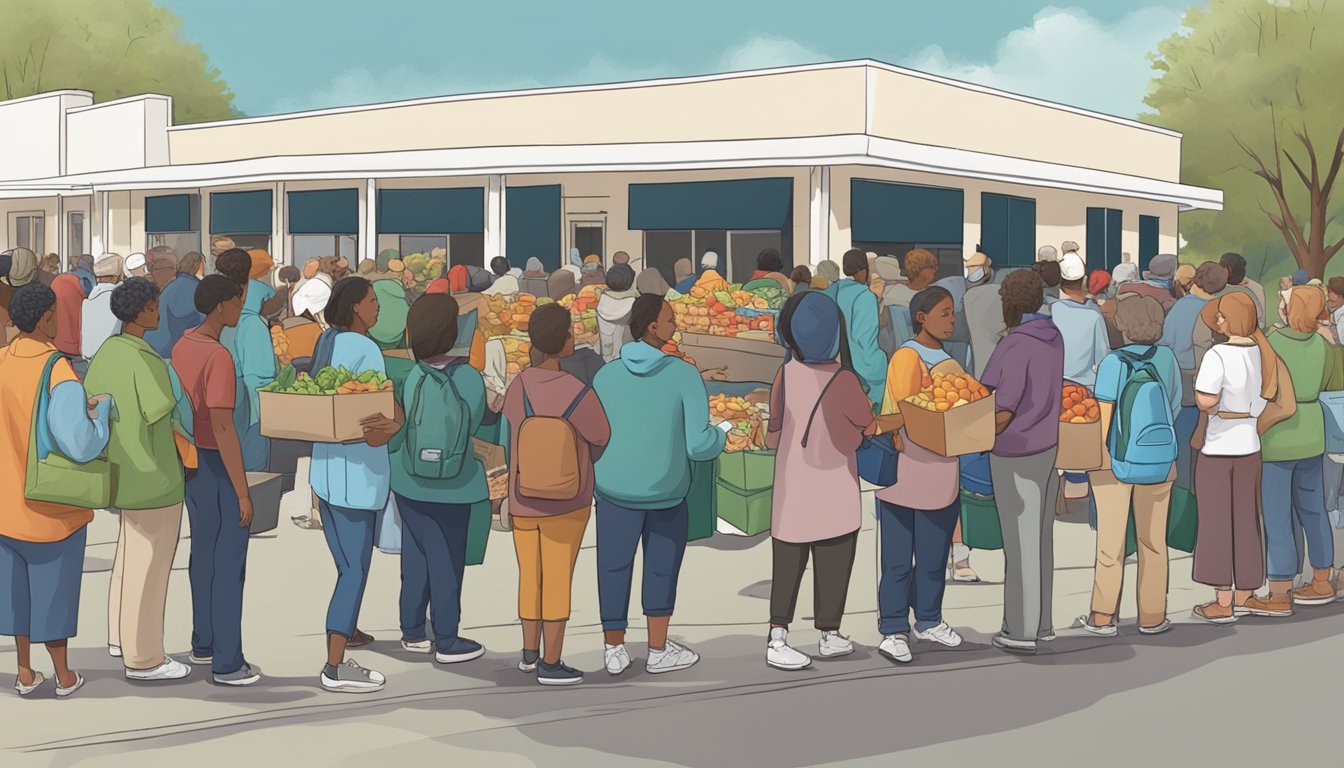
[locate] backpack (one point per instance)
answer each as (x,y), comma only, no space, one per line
(1142,438)
(438,426)
(548,453)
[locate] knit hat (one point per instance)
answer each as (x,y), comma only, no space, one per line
(1098,281)
(261,263)
(1301,276)
(23,267)
(814,325)
(1072,267)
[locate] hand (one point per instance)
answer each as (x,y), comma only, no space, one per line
(379,430)
(94,402)
(244,511)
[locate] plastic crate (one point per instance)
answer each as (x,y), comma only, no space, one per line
(748,471)
(747,511)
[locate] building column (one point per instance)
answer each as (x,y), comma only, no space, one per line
(279,224)
(819,215)
(97,223)
(496,218)
(368,221)
(62,244)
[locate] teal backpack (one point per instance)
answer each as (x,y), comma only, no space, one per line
(1142,439)
(438,437)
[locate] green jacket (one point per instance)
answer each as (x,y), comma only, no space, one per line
(147,472)
(469,486)
(1310,361)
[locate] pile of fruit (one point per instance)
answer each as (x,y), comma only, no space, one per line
(583,310)
(328,381)
(517,351)
(502,315)
(425,267)
(750,418)
(711,307)
(673,348)
(280,343)
(1078,406)
(946,391)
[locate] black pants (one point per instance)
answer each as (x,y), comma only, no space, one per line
(832,563)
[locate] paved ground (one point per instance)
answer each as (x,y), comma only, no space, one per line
(1185,697)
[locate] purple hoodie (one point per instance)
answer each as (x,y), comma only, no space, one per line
(1027,372)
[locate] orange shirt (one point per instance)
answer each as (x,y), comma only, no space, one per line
(21,365)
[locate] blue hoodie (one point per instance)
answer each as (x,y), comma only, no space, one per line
(860,313)
(177,314)
(254,361)
(659,413)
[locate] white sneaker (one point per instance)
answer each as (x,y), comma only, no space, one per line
(673,658)
(617,658)
(170,669)
(941,634)
(780,655)
(834,644)
(352,678)
(896,648)
(417,646)
(114,651)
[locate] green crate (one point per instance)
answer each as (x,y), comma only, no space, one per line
(748,470)
(700,501)
(980,522)
(747,511)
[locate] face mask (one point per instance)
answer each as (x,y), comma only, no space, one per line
(976,275)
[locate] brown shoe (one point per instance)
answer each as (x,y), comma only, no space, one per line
(1274,605)
(360,639)
(1214,613)
(1321,590)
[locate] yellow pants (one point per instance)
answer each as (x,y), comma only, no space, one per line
(548,548)
(1151,505)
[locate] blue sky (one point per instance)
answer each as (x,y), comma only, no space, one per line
(286,55)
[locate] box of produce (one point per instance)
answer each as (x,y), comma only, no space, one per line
(502,315)
(1080,437)
(425,267)
(952,415)
(750,419)
(326,408)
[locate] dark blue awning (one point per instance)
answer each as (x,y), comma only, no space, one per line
(171,213)
(737,204)
(532,225)
(431,211)
(241,213)
(881,212)
(324,212)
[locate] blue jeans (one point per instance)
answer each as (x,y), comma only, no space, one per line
(349,534)
(438,534)
(924,538)
(1291,492)
(39,587)
(619,533)
(414,600)
(218,565)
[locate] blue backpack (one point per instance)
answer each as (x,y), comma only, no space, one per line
(1142,438)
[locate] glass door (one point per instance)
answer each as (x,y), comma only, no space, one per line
(589,235)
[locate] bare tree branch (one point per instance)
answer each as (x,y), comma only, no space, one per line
(1335,161)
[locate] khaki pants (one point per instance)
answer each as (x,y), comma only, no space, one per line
(548,548)
(1151,505)
(139,588)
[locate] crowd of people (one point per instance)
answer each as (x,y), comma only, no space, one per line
(132,384)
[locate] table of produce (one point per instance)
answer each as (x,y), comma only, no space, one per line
(750,416)
(718,308)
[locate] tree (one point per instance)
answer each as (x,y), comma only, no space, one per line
(1251,84)
(114,48)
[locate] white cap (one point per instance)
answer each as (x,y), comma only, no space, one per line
(710,260)
(134,261)
(1072,266)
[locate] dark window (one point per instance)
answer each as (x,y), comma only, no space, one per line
(662,248)
(532,225)
(241,213)
(1105,227)
(1149,227)
(466,248)
(1008,229)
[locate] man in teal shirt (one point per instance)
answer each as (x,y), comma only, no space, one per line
(859,304)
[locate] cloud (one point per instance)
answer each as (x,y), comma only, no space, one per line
(1068,56)
(767,52)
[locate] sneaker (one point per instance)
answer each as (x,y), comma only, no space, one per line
(24,690)
(170,669)
(1105,630)
(673,658)
(1157,629)
(114,651)
(528,662)
(560,674)
(617,659)
(834,644)
(941,634)
(1048,637)
(1009,645)
(964,573)
(897,648)
(459,650)
(780,655)
(352,678)
(417,646)
(1271,606)
(61,693)
(200,661)
(244,675)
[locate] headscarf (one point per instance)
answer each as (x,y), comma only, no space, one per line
(651,281)
(888,268)
(1125,272)
(592,259)
(682,269)
(829,270)
(1098,282)
(23,267)
(560,284)
(535,267)
(110,265)
(457,279)
(710,260)
(813,330)
(575,258)
(1238,310)
(1305,305)
(390,330)
(261,263)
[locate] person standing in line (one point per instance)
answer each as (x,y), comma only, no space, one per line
(42,544)
(1292,484)
(1125,272)
(1050,273)
(1140,319)
(984,318)
(534,279)
(918,516)
(1189,339)
(818,418)
(1027,372)
(352,482)
(70,297)
(97,323)
(219,505)
(1235,264)
(1080,323)
(254,357)
(642,480)
(148,491)
(177,306)
(801,277)
(547,532)
(1236,380)
(613,311)
(136,265)
(859,307)
(1158,281)
(921,269)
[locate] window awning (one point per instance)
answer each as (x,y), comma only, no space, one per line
(532,225)
(735,204)
(324,212)
(241,213)
(431,211)
(169,213)
(882,212)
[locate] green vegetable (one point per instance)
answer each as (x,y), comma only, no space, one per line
(725,298)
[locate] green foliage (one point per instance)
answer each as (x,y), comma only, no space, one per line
(1252,75)
(114,48)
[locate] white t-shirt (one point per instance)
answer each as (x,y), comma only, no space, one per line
(1233,373)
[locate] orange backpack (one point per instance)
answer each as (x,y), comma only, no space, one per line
(548,454)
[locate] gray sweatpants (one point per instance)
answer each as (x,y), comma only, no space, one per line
(1025,488)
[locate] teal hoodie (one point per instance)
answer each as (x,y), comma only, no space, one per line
(659,414)
(254,362)
(859,306)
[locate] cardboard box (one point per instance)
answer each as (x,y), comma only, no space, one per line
(752,360)
(748,470)
(321,418)
(265,488)
(1080,448)
(956,432)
